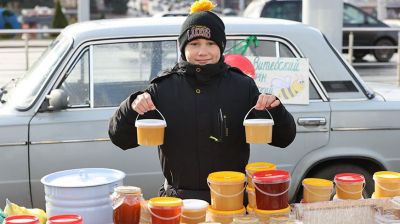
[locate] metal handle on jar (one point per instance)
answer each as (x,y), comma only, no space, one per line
(255,107)
(157,111)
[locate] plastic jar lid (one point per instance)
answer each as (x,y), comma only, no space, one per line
(270,212)
(165,202)
(259,166)
(151,123)
(258,122)
(194,204)
(21,219)
(349,178)
(387,176)
(318,182)
(226,177)
(226,213)
(271,176)
(65,219)
(245,220)
(128,190)
(84,177)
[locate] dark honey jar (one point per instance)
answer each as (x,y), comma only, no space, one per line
(271,188)
(126,205)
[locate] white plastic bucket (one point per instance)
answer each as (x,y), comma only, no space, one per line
(85,192)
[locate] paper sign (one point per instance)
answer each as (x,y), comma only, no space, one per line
(286,78)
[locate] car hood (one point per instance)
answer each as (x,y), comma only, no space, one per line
(388,92)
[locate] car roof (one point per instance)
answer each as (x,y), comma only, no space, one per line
(170,26)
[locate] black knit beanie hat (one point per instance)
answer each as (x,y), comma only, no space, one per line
(202,24)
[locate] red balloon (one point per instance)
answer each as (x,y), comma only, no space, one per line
(241,62)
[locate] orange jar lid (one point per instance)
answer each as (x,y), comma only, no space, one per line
(227,213)
(165,202)
(387,176)
(258,166)
(226,177)
(317,182)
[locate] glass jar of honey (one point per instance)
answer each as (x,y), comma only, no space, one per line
(126,204)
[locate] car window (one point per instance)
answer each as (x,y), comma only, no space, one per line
(120,69)
(282,10)
(371,20)
(76,85)
(352,16)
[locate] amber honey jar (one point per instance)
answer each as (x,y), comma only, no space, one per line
(126,205)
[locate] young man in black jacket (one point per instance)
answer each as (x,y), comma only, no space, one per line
(204,102)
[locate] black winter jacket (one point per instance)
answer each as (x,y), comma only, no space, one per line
(204,107)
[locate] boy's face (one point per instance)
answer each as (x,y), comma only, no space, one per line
(202,52)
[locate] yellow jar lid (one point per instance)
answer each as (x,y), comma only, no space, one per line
(226,177)
(165,202)
(387,175)
(269,212)
(318,182)
(259,166)
(232,212)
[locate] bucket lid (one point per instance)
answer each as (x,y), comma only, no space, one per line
(165,202)
(349,177)
(25,219)
(226,176)
(150,123)
(258,122)
(318,182)
(128,190)
(65,219)
(85,177)
(271,176)
(270,212)
(387,175)
(194,204)
(231,212)
(259,166)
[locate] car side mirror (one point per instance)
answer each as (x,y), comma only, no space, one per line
(57,100)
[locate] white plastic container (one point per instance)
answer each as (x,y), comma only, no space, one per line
(85,192)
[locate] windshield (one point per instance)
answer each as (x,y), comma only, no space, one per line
(32,82)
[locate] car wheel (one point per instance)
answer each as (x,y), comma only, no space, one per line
(383,55)
(330,171)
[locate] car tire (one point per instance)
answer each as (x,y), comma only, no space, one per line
(383,55)
(330,171)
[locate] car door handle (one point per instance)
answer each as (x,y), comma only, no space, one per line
(311,121)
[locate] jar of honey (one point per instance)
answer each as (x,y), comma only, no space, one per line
(165,210)
(126,205)
(271,188)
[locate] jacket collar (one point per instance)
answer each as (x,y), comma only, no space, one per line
(202,73)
